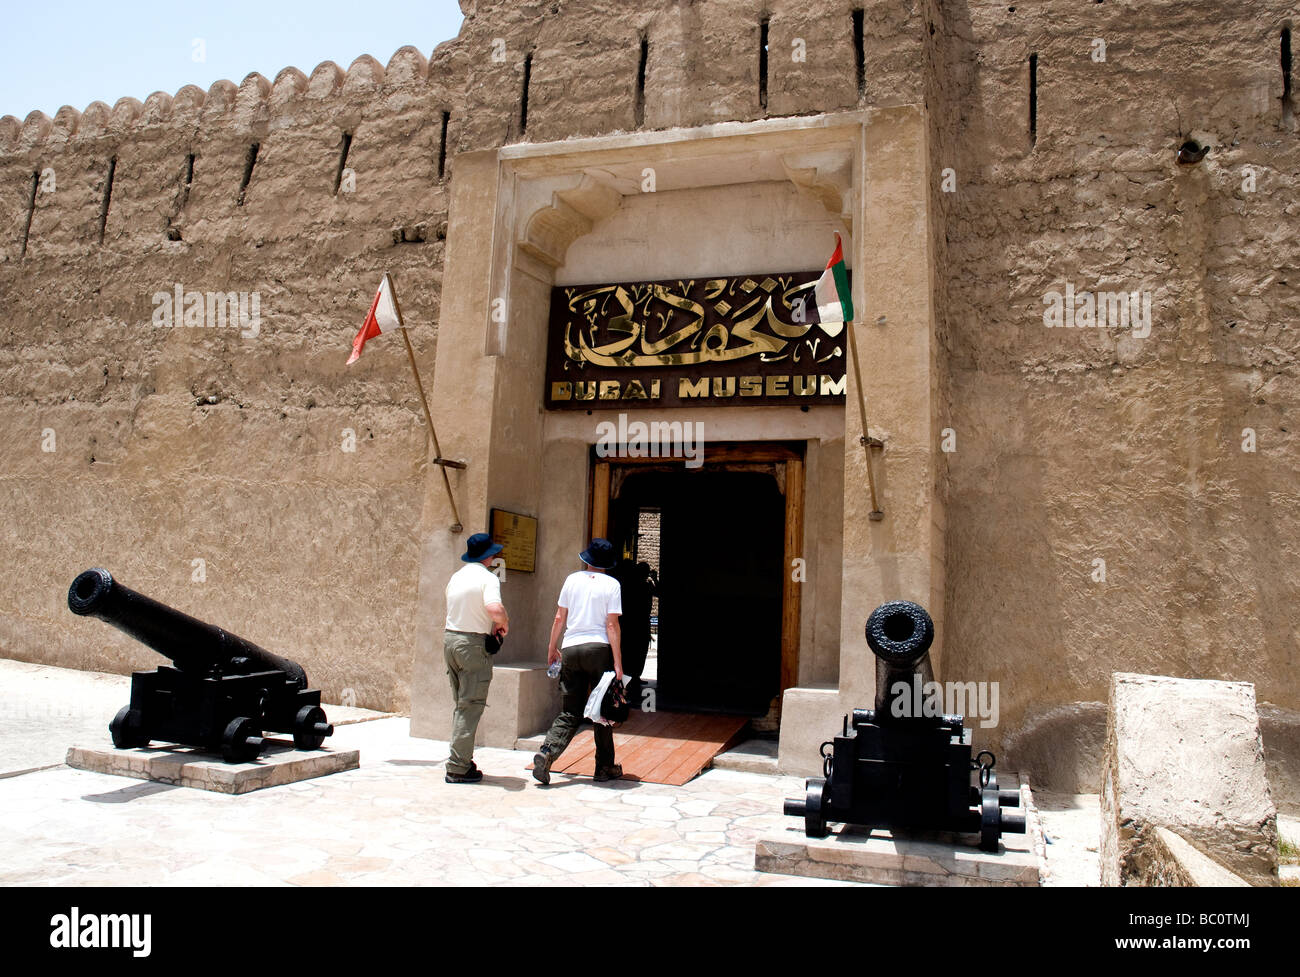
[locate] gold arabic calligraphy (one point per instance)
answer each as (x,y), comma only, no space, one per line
(626,311)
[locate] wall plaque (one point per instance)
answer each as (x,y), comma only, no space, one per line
(518,534)
(703,342)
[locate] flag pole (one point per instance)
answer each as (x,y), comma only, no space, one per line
(868,442)
(438,460)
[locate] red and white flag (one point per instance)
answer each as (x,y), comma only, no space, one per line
(383,317)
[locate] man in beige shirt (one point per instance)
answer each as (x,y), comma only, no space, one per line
(474,611)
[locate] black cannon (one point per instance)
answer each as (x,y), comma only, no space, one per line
(899,767)
(224,692)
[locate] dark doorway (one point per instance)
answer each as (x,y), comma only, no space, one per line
(720,574)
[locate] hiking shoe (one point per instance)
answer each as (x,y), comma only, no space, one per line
(471,776)
(613,772)
(542,767)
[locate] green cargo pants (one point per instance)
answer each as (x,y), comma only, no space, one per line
(469,670)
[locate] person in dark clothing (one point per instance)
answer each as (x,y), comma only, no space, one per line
(638,584)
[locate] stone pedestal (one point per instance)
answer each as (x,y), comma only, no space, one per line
(1185,754)
(854,854)
(809,717)
(183,766)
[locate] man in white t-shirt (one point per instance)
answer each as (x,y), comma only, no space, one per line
(474,611)
(589,607)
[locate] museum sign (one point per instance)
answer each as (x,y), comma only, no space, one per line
(708,342)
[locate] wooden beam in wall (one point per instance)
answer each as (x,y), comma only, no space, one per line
(791,590)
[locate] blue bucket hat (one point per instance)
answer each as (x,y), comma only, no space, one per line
(479,547)
(599,554)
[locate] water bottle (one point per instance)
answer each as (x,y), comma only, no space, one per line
(553,671)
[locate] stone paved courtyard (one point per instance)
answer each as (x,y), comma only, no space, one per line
(392,822)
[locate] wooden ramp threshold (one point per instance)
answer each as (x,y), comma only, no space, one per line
(657,747)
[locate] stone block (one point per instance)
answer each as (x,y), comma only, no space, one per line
(809,717)
(183,766)
(521,701)
(1185,754)
(1167,859)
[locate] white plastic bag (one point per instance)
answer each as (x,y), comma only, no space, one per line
(592,710)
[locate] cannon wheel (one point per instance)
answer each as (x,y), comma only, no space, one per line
(814,816)
(127,729)
(990,818)
(242,741)
(304,725)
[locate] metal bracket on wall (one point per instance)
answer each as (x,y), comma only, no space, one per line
(875,515)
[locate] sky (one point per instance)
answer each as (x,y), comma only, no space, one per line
(73,52)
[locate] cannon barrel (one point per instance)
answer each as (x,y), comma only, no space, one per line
(900,633)
(194,646)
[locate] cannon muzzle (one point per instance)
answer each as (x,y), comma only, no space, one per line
(191,644)
(900,633)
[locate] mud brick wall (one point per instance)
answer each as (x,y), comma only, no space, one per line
(1081,445)
(213,443)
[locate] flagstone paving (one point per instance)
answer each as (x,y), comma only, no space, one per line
(394,821)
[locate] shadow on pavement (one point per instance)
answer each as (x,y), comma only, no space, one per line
(416,763)
(124,794)
(507,783)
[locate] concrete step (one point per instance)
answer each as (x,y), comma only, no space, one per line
(751,756)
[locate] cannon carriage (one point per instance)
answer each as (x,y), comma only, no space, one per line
(891,768)
(224,692)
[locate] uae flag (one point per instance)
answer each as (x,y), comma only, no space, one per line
(383,317)
(831,301)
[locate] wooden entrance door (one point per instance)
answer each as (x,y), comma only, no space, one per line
(729,606)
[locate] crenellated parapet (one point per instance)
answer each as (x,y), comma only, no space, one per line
(531,71)
(252,102)
(201,159)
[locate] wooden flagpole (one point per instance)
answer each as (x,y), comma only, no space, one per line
(868,442)
(438,460)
